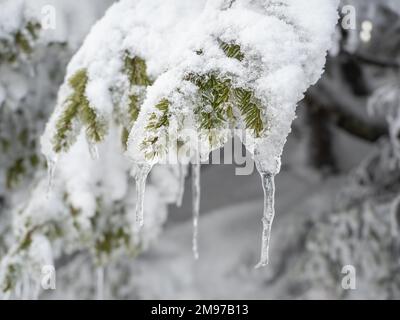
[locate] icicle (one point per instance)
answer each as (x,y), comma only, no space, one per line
(142,172)
(268,183)
(94,152)
(18,290)
(196,206)
(100,283)
(182,178)
(51,167)
(26,287)
(36,291)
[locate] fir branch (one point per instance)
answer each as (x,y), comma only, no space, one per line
(124,138)
(77,108)
(64,125)
(232,50)
(221,96)
(110,240)
(136,69)
(15,172)
(133,108)
(214,94)
(155,121)
(250,110)
(22,42)
(95,130)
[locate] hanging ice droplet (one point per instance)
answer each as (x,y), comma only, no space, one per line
(51,167)
(142,172)
(182,178)
(268,183)
(196,206)
(26,288)
(100,283)
(93,151)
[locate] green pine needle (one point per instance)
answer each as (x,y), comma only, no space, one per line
(250,110)
(158,121)
(15,172)
(77,108)
(133,108)
(221,96)
(232,50)
(136,69)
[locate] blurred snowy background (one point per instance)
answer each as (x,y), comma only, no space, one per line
(338,194)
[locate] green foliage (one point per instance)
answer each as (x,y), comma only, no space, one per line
(111,240)
(156,121)
(125,137)
(221,96)
(250,110)
(34,160)
(15,172)
(95,130)
(19,169)
(133,108)
(232,50)
(214,94)
(64,127)
(26,242)
(217,100)
(23,137)
(11,278)
(5,144)
(22,42)
(136,69)
(77,108)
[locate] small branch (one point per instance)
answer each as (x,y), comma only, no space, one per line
(344,118)
(362,58)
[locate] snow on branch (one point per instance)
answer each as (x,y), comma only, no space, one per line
(152,70)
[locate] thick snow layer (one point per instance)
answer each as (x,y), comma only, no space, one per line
(226,268)
(284,42)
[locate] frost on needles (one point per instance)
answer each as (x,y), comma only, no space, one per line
(152,70)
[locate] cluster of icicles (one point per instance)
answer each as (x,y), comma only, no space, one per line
(142,172)
(268,183)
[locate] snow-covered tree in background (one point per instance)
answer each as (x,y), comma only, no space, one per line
(38,231)
(360,94)
(24,107)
